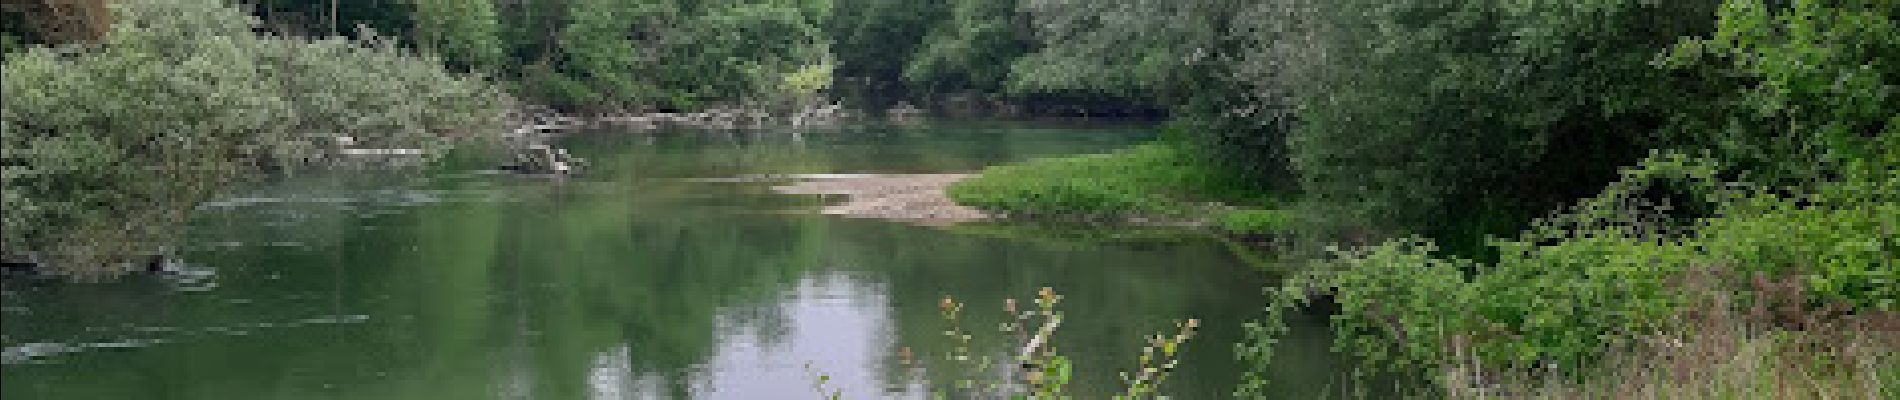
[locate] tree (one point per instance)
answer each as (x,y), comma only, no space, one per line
(1804,88)
(464,32)
(320,18)
(972,50)
(874,41)
(1412,109)
(1192,57)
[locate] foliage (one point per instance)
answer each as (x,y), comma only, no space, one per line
(1190,57)
(463,33)
(972,49)
(1808,86)
(612,54)
(1756,343)
(1414,109)
(10,43)
(598,55)
(1800,183)
(183,98)
(1256,222)
(874,42)
(748,49)
(1606,273)
(1123,48)
(1035,369)
(671,54)
(807,81)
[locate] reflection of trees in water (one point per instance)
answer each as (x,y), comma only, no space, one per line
(539,292)
(468,294)
(1115,295)
(1119,293)
(765,323)
(605,275)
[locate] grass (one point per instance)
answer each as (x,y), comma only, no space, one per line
(1738,364)
(1730,349)
(1159,182)
(1255,222)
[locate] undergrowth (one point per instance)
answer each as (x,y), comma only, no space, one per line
(1609,276)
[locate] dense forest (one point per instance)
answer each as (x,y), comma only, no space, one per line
(1515,191)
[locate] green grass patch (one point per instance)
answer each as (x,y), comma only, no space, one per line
(1255,222)
(1153,180)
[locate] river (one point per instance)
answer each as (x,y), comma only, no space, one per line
(656,275)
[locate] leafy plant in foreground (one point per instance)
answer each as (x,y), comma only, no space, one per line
(1034,368)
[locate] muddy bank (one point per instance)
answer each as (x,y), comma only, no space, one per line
(914,198)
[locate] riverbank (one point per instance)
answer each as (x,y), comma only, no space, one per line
(541,122)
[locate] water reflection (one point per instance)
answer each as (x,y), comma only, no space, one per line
(834,323)
(640,280)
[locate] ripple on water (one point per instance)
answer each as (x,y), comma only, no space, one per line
(48,352)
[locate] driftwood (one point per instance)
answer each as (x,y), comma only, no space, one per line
(544,159)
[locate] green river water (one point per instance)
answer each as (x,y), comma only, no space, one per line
(657,275)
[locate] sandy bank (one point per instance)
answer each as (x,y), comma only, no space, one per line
(915,198)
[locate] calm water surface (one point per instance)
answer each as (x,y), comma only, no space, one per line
(652,277)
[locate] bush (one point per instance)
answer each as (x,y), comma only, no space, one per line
(1608,273)
(181,99)
(1806,87)
(1802,185)
(1414,112)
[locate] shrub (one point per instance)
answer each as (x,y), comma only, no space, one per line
(1806,87)
(1802,182)
(1607,273)
(181,99)
(1414,112)
(1731,349)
